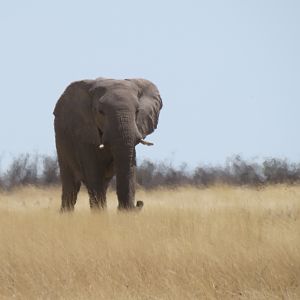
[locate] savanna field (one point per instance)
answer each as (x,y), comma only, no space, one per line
(216,243)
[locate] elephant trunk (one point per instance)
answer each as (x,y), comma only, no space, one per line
(124,161)
(123,150)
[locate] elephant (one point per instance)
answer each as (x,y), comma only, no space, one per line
(97,125)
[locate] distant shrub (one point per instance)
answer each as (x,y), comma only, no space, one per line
(43,170)
(242,172)
(50,172)
(151,175)
(280,171)
(23,170)
(146,173)
(207,176)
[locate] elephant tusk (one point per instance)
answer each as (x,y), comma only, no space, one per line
(146,143)
(101,146)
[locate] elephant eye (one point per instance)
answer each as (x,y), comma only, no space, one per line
(101,112)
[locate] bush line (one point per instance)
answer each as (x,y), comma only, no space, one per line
(43,170)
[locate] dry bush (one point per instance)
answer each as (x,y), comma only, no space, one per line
(216,243)
(42,170)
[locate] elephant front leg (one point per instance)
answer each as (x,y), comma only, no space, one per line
(70,189)
(69,197)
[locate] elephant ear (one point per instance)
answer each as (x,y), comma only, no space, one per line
(74,113)
(150,104)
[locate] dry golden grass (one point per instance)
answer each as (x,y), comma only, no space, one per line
(217,243)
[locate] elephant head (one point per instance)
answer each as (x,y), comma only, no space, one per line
(111,115)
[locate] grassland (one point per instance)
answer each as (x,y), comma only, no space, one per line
(216,243)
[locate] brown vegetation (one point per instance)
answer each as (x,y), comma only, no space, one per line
(216,243)
(42,170)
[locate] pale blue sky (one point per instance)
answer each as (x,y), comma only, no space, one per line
(228,71)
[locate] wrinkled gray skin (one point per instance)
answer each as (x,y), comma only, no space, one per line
(113,113)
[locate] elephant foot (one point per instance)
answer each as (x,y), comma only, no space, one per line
(64,210)
(138,207)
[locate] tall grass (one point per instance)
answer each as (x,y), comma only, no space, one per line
(216,243)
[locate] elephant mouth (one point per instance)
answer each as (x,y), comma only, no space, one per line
(100,134)
(141,141)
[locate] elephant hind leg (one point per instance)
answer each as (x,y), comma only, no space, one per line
(97,201)
(97,195)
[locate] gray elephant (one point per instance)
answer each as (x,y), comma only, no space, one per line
(97,125)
